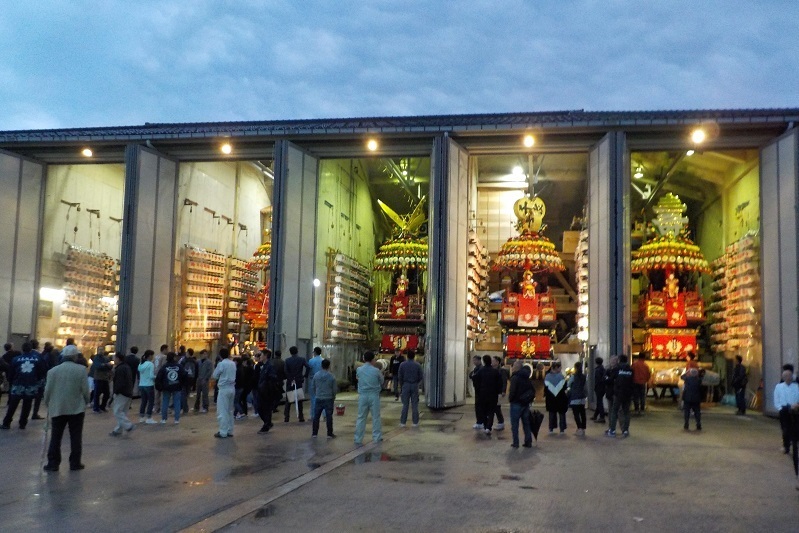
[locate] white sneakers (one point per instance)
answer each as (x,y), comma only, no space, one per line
(150,421)
(141,419)
(499,427)
(402,425)
(477,426)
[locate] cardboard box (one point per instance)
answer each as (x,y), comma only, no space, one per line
(570,241)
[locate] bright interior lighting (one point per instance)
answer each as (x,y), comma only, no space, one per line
(51,295)
(316,282)
(108,300)
(582,335)
(583,322)
(226,148)
(689,153)
(698,135)
(87,152)
(518,171)
(371,145)
(529,141)
(639,173)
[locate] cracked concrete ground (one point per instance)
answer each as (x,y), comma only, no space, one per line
(443,476)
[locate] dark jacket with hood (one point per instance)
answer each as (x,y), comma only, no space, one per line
(521,387)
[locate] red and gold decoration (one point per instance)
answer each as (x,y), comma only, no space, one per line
(672,312)
(527,313)
(401,315)
(261,258)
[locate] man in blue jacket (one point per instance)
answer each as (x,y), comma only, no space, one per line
(27,371)
(324,388)
(370,383)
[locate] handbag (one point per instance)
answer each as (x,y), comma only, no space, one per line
(294,394)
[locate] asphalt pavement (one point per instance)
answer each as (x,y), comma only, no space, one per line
(442,476)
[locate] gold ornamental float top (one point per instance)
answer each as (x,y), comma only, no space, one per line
(405,249)
(530,250)
(671,249)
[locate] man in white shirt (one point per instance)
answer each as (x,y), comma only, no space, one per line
(786,394)
(225,376)
(786,399)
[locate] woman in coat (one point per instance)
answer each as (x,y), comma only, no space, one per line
(577,396)
(557,401)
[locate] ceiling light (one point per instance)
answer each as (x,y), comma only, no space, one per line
(87,152)
(372,145)
(689,153)
(518,171)
(639,172)
(698,136)
(226,148)
(316,282)
(529,141)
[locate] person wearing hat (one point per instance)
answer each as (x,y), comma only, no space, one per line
(66,394)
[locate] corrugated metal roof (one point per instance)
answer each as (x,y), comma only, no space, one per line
(409,124)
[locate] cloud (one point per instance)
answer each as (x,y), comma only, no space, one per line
(116,62)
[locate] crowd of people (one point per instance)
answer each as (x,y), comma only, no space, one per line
(67,383)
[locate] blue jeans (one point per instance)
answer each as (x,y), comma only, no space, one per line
(166,396)
(368,401)
(410,394)
(147,398)
(327,407)
(519,411)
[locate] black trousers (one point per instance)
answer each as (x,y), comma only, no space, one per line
(289,407)
(265,410)
(498,413)
(13,402)
(487,408)
(75,423)
(600,406)
(101,388)
(785,425)
(579,415)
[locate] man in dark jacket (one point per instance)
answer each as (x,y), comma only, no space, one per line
(204,370)
(27,371)
(520,396)
(739,381)
(270,389)
(123,395)
(296,368)
(44,357)
(474,376)
(599,390)
(101,372)
(490,386)
(189,366)
(170,381)
(692,397)
(622,378)
(280,368)
(133,361)
(393,365)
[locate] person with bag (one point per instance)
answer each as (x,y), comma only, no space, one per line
(520,396)
(739,382)
(577,397)
(557,402)
(296,369)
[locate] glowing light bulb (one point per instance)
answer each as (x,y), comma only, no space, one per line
(372,145)
(529,141)
(87,152)
(698,136)
(226,148)
(518,171)
(689,153)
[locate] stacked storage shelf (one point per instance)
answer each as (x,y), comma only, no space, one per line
(90,289)
(742,313)
(347,309)
(477,289)
(581,278)
(242,283)
(716,311)
(203,294)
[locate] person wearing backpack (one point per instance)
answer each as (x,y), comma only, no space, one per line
(520,396)
(189,366)
(169,381)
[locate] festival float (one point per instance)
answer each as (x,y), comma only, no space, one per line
(529,315)
(400,311)
(256,313)
(671,307)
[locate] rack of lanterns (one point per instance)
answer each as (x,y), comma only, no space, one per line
(403,252)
